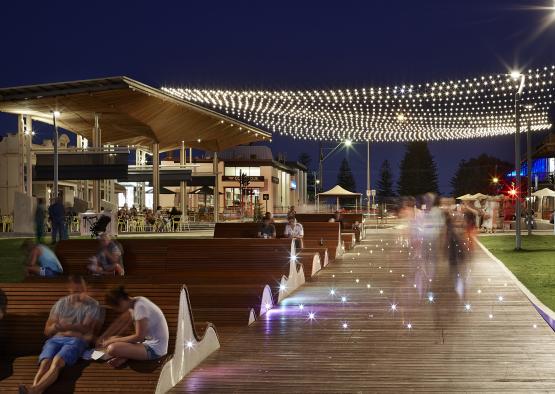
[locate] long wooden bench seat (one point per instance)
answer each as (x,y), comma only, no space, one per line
(196,261)
(348,220)
(349,240)
(207,262)
(315,234)
(21,339)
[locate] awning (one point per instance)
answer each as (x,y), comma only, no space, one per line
(130,112)
(545,192)
(338,191)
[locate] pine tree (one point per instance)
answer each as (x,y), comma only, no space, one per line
(418,173)
(385,183)
(305,159)
(345,177)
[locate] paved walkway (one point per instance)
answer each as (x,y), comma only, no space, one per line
(361,344)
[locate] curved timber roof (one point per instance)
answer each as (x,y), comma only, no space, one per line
(130,113)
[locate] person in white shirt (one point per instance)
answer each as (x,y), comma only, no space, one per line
(295,231)
(151,337)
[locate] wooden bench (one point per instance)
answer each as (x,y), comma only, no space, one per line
(21,338)
(315,234)
(347,222)
(253,264)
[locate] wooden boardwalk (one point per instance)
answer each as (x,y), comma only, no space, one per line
(360,344)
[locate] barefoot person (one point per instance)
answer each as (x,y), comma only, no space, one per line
(151,336)
(71,326)
(41,260)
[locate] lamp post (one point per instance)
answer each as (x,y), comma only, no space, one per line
(518,208)
(529,179)
(368,186)
(323,158)
(55,115)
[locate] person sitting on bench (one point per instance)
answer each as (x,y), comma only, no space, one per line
(151,336)
(41,260)
(108,260)
(73,322)
(267,229)
(295,231)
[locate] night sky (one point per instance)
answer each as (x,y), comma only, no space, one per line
(284,45)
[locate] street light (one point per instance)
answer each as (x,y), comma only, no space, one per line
(348,143)
(518,76)
(55,115)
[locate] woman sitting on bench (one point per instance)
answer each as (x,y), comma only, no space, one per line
(108,260)
(151,336)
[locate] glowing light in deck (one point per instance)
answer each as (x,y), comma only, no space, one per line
(467,307)
(301,307)
(189,344)
(311,316)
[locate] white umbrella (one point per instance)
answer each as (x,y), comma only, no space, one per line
(544,193)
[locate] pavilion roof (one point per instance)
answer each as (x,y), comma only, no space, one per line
(130,112)
(338,191)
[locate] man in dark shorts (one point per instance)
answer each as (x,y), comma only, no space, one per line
(73,322)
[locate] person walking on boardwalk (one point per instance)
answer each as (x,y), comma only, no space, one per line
(40,216)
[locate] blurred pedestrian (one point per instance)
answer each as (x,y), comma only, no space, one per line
(40,216)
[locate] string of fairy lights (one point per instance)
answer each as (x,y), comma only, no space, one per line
(457,109)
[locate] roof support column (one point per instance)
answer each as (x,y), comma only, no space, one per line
(29,154)
(216,188)
(155,176)
(183,185)
(96,143)
(21,131)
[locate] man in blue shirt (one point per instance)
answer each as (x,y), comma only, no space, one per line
(56,211)
(41,260)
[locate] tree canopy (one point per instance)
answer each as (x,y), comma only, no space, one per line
(385,182)
(345,177)
(418,173)
(476,175)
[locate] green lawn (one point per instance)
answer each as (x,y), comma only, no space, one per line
(11,260)
(534,265)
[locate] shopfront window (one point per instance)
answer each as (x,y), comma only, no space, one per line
(233,198)
(236,171)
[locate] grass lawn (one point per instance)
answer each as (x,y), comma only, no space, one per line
(534,265)
(11,260)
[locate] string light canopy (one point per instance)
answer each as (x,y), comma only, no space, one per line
(457,109)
